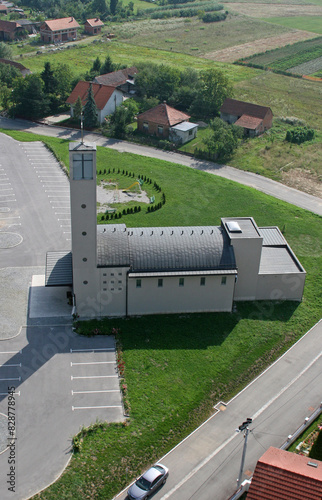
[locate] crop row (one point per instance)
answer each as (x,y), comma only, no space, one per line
(308,68)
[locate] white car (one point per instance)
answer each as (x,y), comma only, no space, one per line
(149,482)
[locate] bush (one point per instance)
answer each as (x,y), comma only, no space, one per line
(316,450)
(211,17)
(299,135)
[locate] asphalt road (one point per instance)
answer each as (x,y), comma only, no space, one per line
(268,186)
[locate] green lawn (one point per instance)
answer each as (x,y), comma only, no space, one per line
(177,367)
(307,23)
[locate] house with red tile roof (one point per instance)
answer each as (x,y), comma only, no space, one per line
(93,26)
(123,79)
(167,122)
(281,475)
(4,9)
(107,98)
(254,119)
(59,30)
(10,30)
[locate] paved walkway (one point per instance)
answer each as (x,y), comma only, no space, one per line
(268,186)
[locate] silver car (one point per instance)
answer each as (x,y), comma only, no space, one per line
(149,482)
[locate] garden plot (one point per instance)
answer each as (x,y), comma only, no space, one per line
(108,194)
(307,68)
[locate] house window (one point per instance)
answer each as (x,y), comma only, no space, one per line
(145,126)
(160,282)
(202,281)
(190,132)
(224,280)
(82,166)
(160,130)
(138,283)
(181,281)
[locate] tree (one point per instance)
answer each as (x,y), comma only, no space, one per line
(316,450)
(121,118)
(107,66)
(113,6)
(157,80)
(214,88)
(90,110)
(224,139)
(29,98)
(8,74)
(78,108)
(48,77)
(5,51)
(64,79)
(100,7)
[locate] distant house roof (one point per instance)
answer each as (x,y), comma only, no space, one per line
(61,24)
(102,93)
(164,115)
(117,78)
(166,249)
(94,22)
(3,8)
(9,26)
(239,108)
(280,474)
(250,122)
(20,67)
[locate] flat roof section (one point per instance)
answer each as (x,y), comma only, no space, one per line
(278,260)
(247,225)
(272,236)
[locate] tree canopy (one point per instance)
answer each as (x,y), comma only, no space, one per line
(90,110)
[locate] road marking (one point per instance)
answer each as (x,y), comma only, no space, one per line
(11,352)
(6,189)
(94,407)
(93,363)
(94,392)
(7,195)
(10,217)
(4,379)
(93,350)
(7,201)
(93,376)
(6,394)
(18,364)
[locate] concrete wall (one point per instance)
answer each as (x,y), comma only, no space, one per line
(247,254)
(172,298)
(280,286)
(112,291)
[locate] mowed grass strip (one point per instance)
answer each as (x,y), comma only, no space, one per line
(177,367)
(307,23)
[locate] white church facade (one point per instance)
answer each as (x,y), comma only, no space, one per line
(120,271)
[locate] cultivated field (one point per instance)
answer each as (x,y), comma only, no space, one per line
(309,23)
(263,10)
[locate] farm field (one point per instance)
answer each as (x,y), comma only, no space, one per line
(184,364)
(274,10)
(309,23)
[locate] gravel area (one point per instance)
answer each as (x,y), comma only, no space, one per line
(106,197)
(3,432)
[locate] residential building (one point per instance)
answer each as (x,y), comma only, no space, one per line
(123,79)
(93,26)
(10,30)
(59,30)
(107,98)
(254,119)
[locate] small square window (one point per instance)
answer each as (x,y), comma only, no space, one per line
(160,282)
(181,281)
(120,282)
(160,130)
(112,274)
(138,283)
(202,281)
(224,280)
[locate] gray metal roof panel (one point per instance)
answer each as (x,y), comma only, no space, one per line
(278,260)
(272,236)
(112,245)
(184,126)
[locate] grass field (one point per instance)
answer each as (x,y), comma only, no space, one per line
(308,23)
(177,367)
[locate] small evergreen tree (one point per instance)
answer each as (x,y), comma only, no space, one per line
(107,66)
(78,108)
(90,110)
(48,77)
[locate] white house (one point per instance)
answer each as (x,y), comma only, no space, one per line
(107,98)
(120,271)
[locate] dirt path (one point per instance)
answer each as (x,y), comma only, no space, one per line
(231,54)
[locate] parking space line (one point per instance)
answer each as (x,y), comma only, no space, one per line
(11,352)
(93,407)
(94,350)
(93,363)
(17,364)
(92,376)
(6,394)
(10,217)
(13,378)
(94,392)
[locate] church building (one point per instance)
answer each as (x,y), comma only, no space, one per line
(120,271)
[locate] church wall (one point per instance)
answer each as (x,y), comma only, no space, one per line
(288,286)
(173,298)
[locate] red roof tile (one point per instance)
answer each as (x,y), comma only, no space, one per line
(102,94)
(281,475)
(117,78)
(250,122)
(164,115)
(95,22)
(62,24)
(239,108)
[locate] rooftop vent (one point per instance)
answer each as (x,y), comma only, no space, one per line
(233,226)
(312,464)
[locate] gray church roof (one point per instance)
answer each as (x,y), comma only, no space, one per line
(165,248)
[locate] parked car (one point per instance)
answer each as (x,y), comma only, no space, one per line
(149,482)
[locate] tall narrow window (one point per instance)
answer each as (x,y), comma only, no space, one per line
(181,281)
(224,280)
(138,283)
(160,282)
(82,166)
(202,281)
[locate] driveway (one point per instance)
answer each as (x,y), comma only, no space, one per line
(52,381)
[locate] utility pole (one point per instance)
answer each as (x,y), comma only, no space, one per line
(243,427)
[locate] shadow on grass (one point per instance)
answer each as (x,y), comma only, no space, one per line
(188,331)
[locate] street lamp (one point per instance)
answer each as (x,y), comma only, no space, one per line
(243,427)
